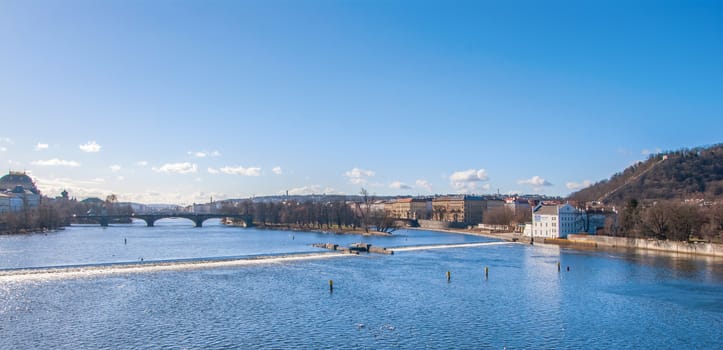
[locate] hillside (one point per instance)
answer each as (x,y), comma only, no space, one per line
(687,173)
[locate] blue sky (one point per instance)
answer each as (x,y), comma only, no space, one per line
(178,101)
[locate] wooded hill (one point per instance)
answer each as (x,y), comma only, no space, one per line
(682,174)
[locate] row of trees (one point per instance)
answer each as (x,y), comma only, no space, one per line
(671,220)
(53,213)
(329,215)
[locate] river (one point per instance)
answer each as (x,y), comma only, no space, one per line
(81,294)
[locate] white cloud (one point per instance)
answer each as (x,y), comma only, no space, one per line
(312,189)
(470,175)
(358,176)
(239,170)
(424,184)
(56,162)
(115,168)
(646,151)
(212,171)
(78,188)
(577,186)
(467,181)
(142,163)
(400,185)
(5,141)
(178,168)
(277,170)
(535,181)
(204,154)
(41,146)
(90,147)
(120,178)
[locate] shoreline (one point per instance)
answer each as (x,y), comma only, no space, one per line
(32,232)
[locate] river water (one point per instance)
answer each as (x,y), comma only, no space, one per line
(81,293)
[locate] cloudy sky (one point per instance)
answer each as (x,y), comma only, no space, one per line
(178,101)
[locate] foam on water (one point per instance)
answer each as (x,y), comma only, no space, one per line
(17,275)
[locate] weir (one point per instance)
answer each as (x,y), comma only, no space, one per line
(45,273)
(447,246)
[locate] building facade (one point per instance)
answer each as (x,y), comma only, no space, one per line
(407,208)
(556,221)
(463,209)
(18,192)
(516,206)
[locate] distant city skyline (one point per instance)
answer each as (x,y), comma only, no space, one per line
(177,102)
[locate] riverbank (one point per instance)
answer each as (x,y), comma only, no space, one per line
(31,231)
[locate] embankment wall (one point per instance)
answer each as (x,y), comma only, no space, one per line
(699,248)
(440,225)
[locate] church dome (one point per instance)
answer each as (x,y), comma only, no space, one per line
(15,179)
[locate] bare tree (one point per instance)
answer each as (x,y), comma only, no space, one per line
(498,216)
(686,221)
(657,219)
(630,221)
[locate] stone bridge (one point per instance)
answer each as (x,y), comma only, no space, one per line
(150,219)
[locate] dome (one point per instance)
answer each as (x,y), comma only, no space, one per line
(15,179)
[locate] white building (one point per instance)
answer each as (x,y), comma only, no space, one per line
(555,221)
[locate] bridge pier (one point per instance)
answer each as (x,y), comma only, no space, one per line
(150,219)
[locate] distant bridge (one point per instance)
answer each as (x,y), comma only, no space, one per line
(151,219)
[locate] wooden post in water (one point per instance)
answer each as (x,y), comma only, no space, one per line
(558,266)
(487,272)
(449,276)
(331,285)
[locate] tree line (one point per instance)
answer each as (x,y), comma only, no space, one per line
(54,213)
(672,220)
(333,214)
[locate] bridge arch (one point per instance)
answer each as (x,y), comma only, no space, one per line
(150,219)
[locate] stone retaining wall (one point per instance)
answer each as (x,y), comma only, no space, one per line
(711,249)
(440,225)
